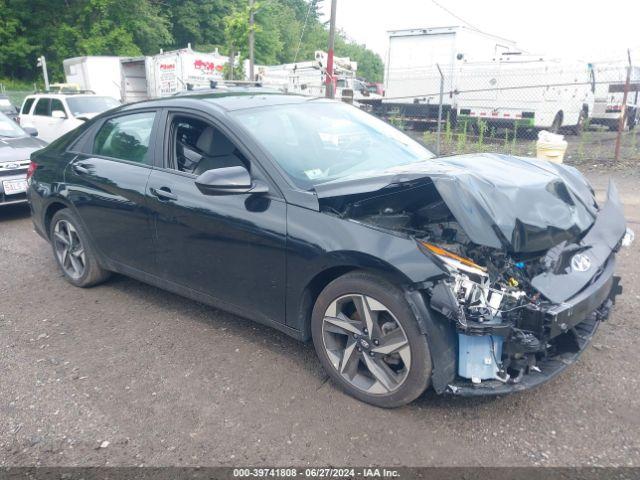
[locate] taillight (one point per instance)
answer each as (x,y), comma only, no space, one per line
(32,169)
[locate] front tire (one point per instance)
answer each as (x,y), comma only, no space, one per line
(73,251)
(368,341)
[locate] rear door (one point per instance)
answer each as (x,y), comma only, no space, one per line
(106,183)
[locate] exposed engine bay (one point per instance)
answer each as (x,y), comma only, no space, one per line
(505,325)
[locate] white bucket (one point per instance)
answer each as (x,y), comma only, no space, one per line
(551,147)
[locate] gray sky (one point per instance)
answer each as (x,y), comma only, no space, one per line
(580,29)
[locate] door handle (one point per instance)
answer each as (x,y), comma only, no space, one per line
(79,168)
(164,193)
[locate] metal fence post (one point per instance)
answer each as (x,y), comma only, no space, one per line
(440,110)
(623,112)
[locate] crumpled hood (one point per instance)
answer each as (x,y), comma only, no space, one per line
(21,148)
(524,205)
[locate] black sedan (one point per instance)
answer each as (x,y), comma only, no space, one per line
(477,275)
(16,146)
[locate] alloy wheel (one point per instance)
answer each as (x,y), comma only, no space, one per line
(366,344)
(69,249)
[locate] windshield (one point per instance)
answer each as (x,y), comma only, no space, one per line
(318,141)
(5,106)
(81,105)
(9,128)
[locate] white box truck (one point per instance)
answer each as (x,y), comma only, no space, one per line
(524,91)
(98,74)
(609,94)
(168,73)
(412,80)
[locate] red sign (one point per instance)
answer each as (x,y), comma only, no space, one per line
(203,65)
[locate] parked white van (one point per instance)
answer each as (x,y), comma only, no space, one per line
(53,115)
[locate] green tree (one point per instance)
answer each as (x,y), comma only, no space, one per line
(62,29)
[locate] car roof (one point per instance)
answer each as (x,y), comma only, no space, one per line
(63,95)
(227,100)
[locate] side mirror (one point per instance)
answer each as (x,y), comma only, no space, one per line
(58,114)
(229,181)
(31,131)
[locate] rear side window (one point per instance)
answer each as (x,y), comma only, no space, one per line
(26,107)
(42,107)
(125,138)
(57,105)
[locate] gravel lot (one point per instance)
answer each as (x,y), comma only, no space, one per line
(126,374)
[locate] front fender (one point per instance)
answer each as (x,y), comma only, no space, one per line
(318,242)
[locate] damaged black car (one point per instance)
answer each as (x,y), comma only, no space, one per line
(475,274)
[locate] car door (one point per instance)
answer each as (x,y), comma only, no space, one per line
(41,118)
(106,183)
(230,247)
(59,125)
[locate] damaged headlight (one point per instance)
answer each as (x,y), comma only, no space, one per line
(472,293)
(477,303)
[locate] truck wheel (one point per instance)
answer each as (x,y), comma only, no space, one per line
(578,128)
(632,118)
(556,124)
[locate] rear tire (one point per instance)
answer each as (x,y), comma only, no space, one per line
(632,118)
(368,341)
(73,251)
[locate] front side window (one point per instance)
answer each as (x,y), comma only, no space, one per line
(317,142)
(42,107)
(126,137)
(198,146)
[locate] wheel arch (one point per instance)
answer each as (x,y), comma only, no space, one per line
(53,207)
(314,286)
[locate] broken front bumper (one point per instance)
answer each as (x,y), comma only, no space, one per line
(574,322)
(577,301)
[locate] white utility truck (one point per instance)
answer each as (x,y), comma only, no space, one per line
(308,77)
(98,74)
(168,73)
(524,91)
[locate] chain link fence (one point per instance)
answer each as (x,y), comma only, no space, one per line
(501,106)
(15,96)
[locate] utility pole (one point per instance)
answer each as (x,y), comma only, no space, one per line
(623,113)
(42,62)
(330,81)
(251,41)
